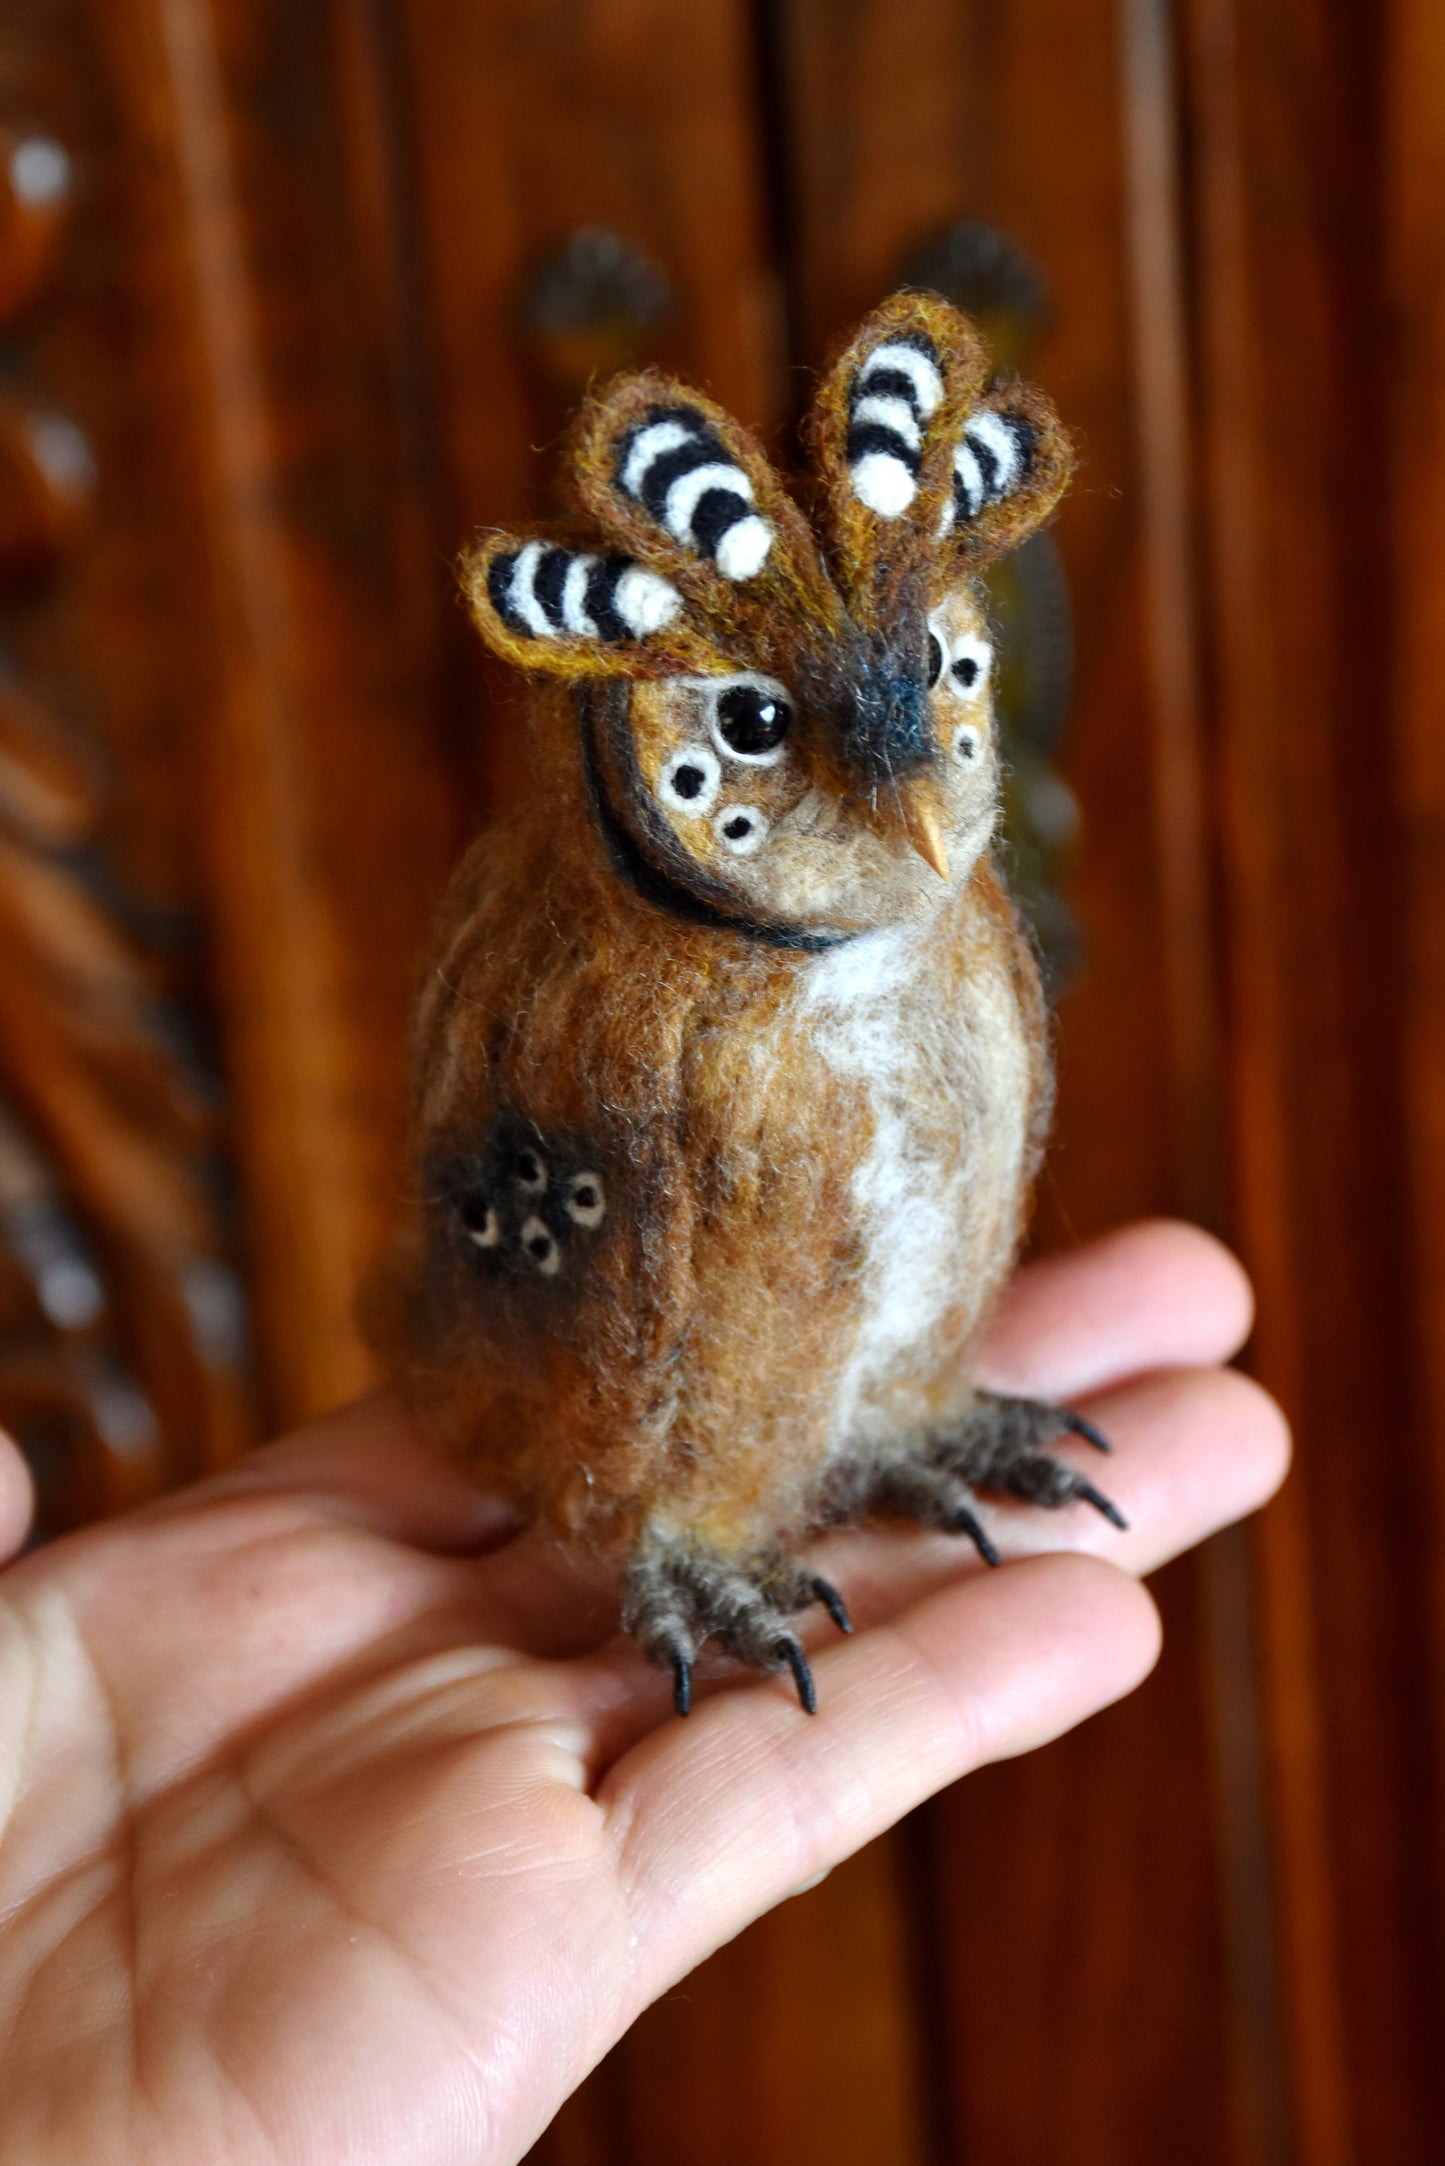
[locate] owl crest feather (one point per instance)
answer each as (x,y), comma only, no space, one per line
(925,470)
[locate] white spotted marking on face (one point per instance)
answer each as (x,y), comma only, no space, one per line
(965,660)
(691,780)
(539,1244)
(743,829)
(969,665)
(966,742)
(586,1202)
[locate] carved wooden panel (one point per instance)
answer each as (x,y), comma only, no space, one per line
(121,1330)
(294,294)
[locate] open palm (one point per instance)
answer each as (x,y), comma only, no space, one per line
(340,1825)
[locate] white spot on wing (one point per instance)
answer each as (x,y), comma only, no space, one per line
(539,1245)
(531,1173)
(586,1200)
(487,1234)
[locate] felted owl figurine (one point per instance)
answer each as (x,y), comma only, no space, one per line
(732,1065)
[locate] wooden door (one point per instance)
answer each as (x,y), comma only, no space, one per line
(294,295)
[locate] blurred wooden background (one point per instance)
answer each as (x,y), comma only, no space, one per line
(293,296)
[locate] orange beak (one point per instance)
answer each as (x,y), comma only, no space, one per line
(923,827)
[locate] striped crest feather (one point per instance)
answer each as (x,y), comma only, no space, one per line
(927,465)
(927,470)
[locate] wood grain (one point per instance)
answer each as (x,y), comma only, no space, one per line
(1284,116)
(280,300)
(641,119)
(329,800)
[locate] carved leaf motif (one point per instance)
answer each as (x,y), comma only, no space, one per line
(120,1353)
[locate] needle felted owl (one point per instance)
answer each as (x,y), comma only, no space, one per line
(732,1070)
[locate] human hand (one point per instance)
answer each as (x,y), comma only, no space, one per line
(337,1822)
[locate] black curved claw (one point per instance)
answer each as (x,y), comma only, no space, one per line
(1077,1426)
(833,1603)
(1101,1503)
(797,1662)
(965,1522)
(681,1684)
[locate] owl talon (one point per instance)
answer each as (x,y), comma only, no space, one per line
(833,1603)
(681,1592)
(1077,1426)
(1090,1495)
(966,1522)
(797,1662)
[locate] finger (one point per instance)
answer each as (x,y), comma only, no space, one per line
(1151,1296)
(717,1818)
(17,1498)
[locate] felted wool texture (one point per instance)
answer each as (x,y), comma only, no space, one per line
(873,556)
(723,1152)
(774,1132)
(576,649)
(751,618)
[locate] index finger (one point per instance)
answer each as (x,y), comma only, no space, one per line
(1155,1295)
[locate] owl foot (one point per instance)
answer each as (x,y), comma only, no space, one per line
(682,1593)
(1001,1444)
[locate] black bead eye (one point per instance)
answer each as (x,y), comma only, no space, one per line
(752,720)
(935,659)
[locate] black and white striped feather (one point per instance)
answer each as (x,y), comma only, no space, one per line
(677,467)
(543,591)
(891,399)
(991,461)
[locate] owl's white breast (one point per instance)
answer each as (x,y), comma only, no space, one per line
(947,1078)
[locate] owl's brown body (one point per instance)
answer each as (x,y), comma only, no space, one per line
(732,1071)
(815,1170)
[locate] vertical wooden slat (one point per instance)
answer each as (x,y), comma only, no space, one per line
(530,124)
(1414,175)
(326,818)
(1184,806)
(1285,122)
